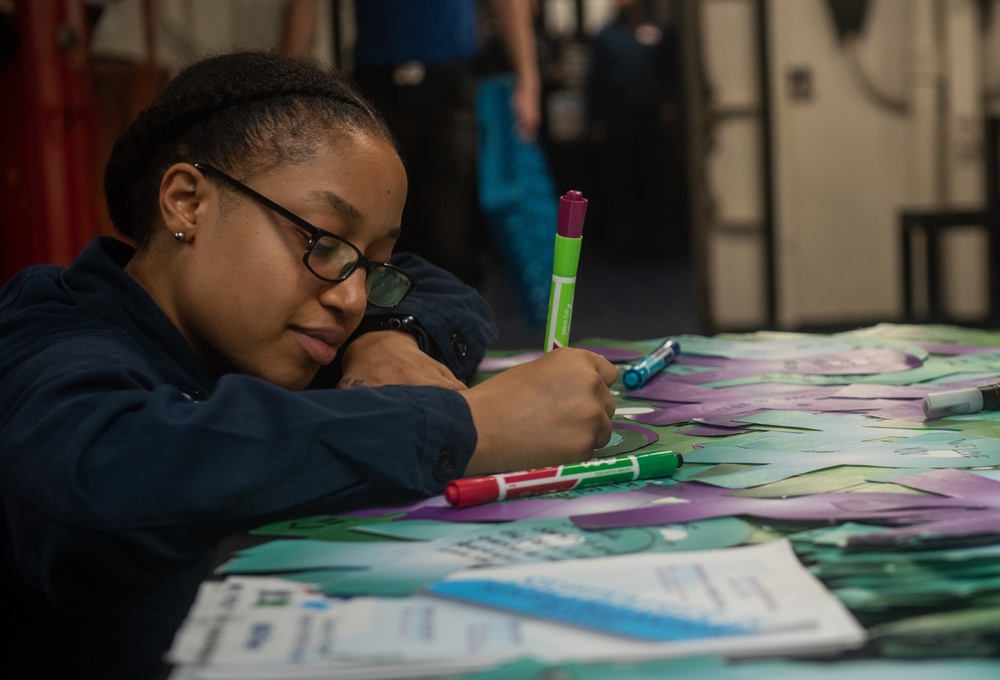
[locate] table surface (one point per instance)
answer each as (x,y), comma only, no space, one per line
(774,429)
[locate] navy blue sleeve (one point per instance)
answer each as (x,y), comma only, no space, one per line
(108,471)
(455,315)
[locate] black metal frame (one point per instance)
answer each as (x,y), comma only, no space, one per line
(932,226)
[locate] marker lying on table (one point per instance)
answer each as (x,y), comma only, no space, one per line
(569,238)
(461,493)
(637,375)
(965,400)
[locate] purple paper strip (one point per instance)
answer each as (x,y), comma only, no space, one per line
(956,484)
(705,502)
(873,391)
(855,362)
(968,523)
(946,349)
(710,431)
(807,399)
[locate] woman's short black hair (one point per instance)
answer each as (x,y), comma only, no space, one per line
(244,112)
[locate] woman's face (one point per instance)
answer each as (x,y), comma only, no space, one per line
(244,299)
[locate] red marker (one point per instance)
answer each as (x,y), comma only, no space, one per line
(461,493)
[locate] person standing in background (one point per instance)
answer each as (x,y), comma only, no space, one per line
(633,103)
(414,60)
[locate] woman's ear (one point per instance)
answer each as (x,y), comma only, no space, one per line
(182,193)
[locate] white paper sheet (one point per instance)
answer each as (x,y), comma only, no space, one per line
(268,628)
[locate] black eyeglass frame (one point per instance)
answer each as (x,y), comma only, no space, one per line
(315,234)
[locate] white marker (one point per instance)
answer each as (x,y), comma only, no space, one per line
(965,400)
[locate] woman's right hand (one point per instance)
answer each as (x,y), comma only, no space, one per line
(554,410)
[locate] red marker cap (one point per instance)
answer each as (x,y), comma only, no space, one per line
(472,491)
(572,210)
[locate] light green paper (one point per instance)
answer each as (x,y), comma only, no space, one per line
(839,478)
(781,345)
(929,333)
(326,527)
(402,567)
(843,439)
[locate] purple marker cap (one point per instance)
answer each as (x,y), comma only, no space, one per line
(572,209)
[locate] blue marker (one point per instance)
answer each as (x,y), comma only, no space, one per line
(637,375)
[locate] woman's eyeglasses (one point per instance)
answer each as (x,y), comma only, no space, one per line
(330,257)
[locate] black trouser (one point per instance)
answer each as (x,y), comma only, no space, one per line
(434,123)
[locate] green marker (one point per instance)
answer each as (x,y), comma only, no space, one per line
(468,491)
(569,237)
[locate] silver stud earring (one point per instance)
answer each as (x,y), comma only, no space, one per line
(179,235)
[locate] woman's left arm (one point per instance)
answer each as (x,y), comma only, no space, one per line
(437,335)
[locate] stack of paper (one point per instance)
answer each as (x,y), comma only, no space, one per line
(748,601)
(918,601)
